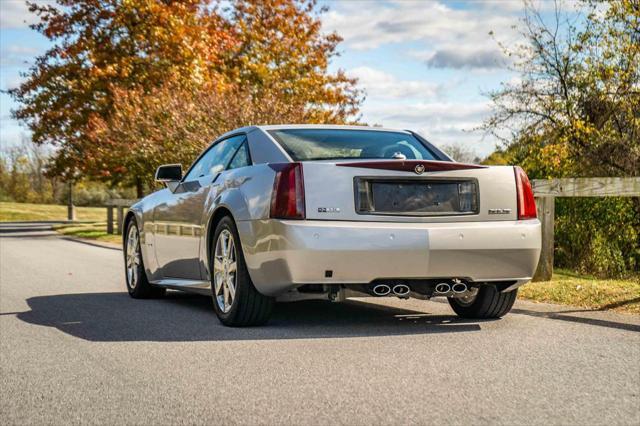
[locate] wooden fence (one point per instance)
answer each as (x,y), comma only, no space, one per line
(119,205)
(546,191)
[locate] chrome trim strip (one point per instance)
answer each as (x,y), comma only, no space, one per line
(183,284)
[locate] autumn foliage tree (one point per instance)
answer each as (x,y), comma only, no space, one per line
(174,123)
(281,51)
(275,71)
(575,111)
(130,83)
(575,108)
(99,47)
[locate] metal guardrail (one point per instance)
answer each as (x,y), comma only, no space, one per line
(546,191)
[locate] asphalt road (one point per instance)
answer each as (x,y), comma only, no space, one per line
(74,348)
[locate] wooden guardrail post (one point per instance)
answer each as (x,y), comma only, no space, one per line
(109,219)
(71,208)
(119,205)
(546,213)
(119,219)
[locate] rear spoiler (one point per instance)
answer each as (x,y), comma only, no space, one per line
(417,166)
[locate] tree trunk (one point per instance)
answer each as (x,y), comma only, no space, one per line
(139,188)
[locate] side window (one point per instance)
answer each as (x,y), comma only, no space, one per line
(241,159)
(216,159)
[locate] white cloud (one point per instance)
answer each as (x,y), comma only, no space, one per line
(11,134)
(438,115)
(382,85)
(427,37)
(450,37)
(12,82)
(21,50)
(422,106)
(504,5)
(18,55)
(452,57)
(442,123)
(15,14)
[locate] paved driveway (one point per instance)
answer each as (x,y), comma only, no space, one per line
(75,348)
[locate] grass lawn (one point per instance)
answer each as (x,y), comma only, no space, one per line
(569,288)
(91,231)
(24,212)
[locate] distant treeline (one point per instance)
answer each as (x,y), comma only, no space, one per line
(23,179)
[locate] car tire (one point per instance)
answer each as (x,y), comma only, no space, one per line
(138,285)
(247,306)
(488,303)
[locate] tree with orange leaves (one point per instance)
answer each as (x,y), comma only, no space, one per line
(281,49)
(101,46)
(117,66)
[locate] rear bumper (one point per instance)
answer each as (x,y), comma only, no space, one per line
(282,254)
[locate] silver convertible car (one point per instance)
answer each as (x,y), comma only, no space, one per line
(307,211)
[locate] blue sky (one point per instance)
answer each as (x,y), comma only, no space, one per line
(423,64)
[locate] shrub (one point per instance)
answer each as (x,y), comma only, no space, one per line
(600,236)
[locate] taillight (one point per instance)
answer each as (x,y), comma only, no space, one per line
(526,203)
(287,199)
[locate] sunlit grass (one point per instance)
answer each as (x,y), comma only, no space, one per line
(10,212)
(92,231)
(570,288)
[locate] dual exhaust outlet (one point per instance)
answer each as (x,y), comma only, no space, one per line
(455,288)
(400,290)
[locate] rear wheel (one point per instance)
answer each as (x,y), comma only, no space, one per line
(138,285)
(488,302)
(235,299)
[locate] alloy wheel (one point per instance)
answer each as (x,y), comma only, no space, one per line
(224,271)
(133,257)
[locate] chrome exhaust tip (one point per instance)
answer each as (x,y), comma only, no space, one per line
(401,290)
(381,290)
(443,288)
(459,288)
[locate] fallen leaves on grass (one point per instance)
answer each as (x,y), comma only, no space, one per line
(569,288)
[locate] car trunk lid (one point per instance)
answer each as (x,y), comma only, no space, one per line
(408,191)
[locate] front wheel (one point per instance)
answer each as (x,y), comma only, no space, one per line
(235,299)
(138,285)
(487,303)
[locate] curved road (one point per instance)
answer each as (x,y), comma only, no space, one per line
(74,348)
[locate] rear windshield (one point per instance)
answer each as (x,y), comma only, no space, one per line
(337,144)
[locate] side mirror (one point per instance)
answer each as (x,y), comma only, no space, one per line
(169,173)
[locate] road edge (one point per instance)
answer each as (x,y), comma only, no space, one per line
(102,244)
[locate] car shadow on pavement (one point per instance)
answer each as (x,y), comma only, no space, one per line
(566,316)
(109,317)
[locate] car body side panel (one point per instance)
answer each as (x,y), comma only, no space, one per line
(246,193)
(178,227)
(143,211)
